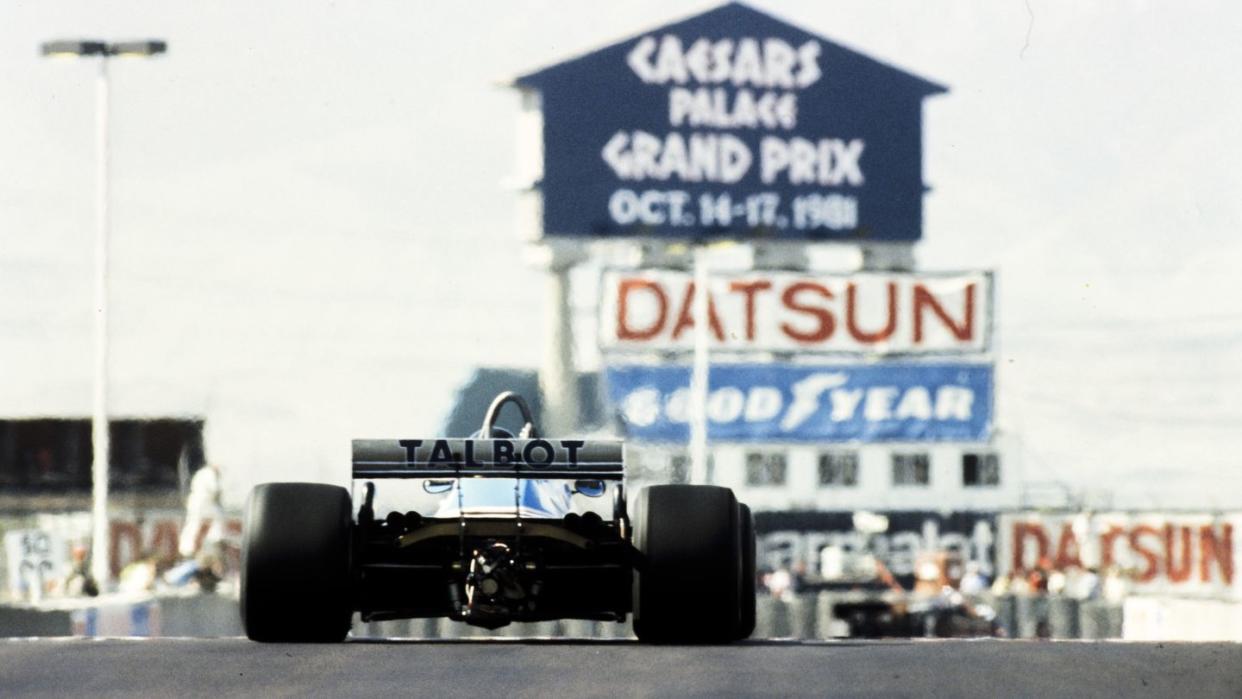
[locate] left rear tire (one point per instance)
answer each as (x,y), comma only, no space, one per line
(295,577)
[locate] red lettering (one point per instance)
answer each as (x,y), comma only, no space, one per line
(624,331)
(1218,550)
(851,315)
(686,318)
(1136,543)
(232,554)
(1067,550)
(826,324)
(122,533)
(924,299)
(164,540)
(750,289)
(1106,546)
(1177,572)
(1021,532)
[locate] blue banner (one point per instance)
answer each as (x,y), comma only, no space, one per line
(731,123)
(822,403)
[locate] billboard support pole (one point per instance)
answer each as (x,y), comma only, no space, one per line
(100,546)
(558,379)
(699,375)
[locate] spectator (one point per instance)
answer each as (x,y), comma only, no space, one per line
(203,503)
(79,580)
(780,583)
(974,582)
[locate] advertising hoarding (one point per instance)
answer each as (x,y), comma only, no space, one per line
(798,539)
(1157,552)
(731,122)
(809,403)
(862,314)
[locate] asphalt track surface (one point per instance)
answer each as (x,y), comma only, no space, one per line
(533,668)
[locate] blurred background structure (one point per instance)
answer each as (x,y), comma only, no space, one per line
(334,221)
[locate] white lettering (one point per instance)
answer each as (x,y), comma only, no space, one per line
(916,403)
(806,395)
(639,59)
(846,166)
(845,403)
(879,405)
(725,404)
(749,62)
(773,157)
(709,157)
(808,64)
(670,66)
(614,154)
(763,403)
(677,407)
(954,403)
(831,161)
(778,69)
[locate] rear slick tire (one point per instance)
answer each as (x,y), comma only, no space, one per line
(688,582)
(295,576)
(746,622)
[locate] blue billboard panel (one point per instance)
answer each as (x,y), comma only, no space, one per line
(821,403)
(731,123)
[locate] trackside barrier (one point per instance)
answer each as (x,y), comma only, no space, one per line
(125,615)
(808,616)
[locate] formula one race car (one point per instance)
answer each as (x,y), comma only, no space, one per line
(503,541)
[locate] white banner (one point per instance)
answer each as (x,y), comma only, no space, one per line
(1156,553)
(874,313)
(36,560)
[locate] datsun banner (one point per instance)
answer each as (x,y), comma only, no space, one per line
(811,403)
(1156,552)
(858,314)
(731,122)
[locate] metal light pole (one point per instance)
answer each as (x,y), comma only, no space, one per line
(700,372)
(100,447)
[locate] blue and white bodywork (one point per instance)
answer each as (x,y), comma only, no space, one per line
(497,497)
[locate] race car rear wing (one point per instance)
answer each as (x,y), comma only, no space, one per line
(488,458)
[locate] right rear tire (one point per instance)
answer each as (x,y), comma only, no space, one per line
(746,622)
(688,582)
(295,577)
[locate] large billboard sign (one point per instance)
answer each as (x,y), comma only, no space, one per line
(860,314)
(809,403)
(1155,552)
(731,123)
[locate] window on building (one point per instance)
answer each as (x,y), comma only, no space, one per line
(679,468)
(911,469)
(56,454)
(765,468)
(980,470)
(838,468)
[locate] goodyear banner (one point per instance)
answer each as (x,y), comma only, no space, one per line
(811,403)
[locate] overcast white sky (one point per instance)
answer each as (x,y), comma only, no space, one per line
(1087,151)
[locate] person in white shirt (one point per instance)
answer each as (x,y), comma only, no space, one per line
(202,503)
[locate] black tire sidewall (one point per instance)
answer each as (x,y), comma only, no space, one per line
(688,584)
(746,622)
(295,578)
